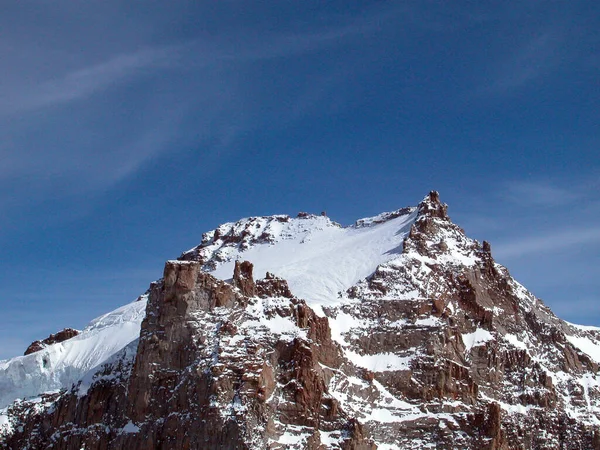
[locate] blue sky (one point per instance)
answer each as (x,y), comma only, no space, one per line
(129,128)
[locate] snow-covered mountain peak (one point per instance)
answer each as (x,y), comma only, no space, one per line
(431,206)
(411,336)
(318,257)
(227,240)
(383,217)
(321,259)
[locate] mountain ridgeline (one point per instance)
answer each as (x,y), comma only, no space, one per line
(396,332)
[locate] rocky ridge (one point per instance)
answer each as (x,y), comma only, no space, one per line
(438,348)
(60,336)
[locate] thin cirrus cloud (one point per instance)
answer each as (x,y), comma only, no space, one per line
(89,159)
(537,193)
(528,61)
(196,54)
(86,81)
(547,243)
(529,219)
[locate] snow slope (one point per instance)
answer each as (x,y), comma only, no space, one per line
(317,257)
(59,365)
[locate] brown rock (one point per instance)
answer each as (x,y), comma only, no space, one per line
(61,336)
(242,278)
(272,286)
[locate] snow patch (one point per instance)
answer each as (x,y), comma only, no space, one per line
(475,339)
(131,428)
(380,362)
(319,259)
(587,346)
(515,341)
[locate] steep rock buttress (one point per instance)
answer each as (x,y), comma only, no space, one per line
(217,365)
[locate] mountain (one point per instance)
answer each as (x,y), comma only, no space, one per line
(396,332)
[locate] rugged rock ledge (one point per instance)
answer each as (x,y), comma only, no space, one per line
(61,336)
(214,368)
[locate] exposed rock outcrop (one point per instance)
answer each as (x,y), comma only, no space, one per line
(243,279)
(214,368)
(484,359)
(61,336)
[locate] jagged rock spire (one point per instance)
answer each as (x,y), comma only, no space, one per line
(243,279)
(432,206)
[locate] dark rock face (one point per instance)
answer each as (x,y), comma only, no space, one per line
(438,348)
(61,336)
(272,286)
(431,206)
(488,364)
(243,279)
(207,373)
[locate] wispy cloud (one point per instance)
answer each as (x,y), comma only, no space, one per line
(87,156)
(547,243)
(238,48)
(535,58)
(85,81)
(528,62)
(60,136)
(540,193)
(529,219)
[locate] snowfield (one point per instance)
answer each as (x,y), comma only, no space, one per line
(59,365)
(319,259)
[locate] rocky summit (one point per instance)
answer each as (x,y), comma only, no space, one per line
(396,332)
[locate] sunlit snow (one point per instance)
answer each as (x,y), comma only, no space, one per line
(319,260)
(478,337)
(59,365)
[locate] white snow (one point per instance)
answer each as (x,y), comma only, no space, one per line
(515,341)
(131,428)
(294,436)
(587,346)
(59,365)
(584,327)
(5,425)
(331,439)
(320,259)
(95,374)
(511,409)
(273,322)
(428,322)
(478,337)
(382,415)
(380,362)
(342,323)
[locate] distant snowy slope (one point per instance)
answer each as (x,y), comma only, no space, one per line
(61,364)
(317,257)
